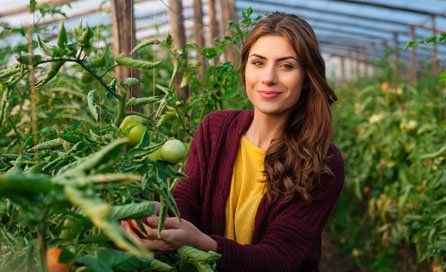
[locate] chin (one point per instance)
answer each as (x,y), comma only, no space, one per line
(268,110)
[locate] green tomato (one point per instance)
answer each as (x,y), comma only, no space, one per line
(173,151)
(156,155)
(136,133)
(130,121)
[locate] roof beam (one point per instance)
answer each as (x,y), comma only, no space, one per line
(387,6)
(349,24)
(23,9)
(338,13)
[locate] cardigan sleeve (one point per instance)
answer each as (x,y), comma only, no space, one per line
(288,237)
(187,192)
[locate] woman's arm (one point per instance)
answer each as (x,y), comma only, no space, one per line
(286,244)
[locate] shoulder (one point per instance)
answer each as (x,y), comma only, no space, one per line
(214,125)
(221,118)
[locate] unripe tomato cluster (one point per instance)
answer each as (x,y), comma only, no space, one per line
(172,151)
(134,128)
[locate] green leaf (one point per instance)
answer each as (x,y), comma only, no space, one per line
(143,44)
(412,44)
(94,264)
(62,38)
(431,39)
(66,256)
(434,154)
(133,101)
(132,211)
(159,266)
(121,260)
(193,254)
(107,155)
(24,185)
(92,106)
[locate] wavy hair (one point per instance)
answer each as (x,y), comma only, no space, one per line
(295,162)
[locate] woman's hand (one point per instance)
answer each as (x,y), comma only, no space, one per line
(174,235)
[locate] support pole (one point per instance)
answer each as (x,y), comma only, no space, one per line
(199,38)
(364,58)
(124,38)
(342,64)
(176,29)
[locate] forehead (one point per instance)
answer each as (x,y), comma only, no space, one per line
(273,47)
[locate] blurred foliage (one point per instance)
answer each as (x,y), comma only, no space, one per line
(393,139)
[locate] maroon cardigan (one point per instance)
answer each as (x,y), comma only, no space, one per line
(287,236)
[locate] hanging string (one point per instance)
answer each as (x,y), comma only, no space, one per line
(97,46)
(133,36)
(154,58)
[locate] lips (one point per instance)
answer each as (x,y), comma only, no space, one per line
(269,94)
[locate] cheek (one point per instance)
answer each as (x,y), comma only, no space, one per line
(293,82)
(250,76)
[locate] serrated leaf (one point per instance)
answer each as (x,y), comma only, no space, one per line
(159,266)
(196,255)
(142,101)
(132,211)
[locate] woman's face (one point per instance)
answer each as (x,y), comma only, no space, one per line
(273,75)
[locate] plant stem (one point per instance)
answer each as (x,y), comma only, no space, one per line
(121,109)
(80,62)
(108,70)
(182,122)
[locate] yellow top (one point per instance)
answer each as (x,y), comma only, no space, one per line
(246,192)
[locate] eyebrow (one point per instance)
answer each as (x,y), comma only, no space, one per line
(280,59)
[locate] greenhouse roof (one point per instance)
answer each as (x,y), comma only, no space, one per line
(343,27)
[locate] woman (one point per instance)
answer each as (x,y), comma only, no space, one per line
(261,183)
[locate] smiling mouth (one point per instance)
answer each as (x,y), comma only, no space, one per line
(269,94)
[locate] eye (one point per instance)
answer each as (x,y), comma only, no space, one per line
(287,66)
(257,62)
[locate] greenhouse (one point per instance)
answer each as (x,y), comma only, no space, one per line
(212,135)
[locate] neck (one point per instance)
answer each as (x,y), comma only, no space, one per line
(264,128)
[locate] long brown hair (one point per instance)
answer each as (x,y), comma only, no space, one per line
(295,162)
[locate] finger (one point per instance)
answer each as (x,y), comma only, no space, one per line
(170,222)
(152,233)
(168,235)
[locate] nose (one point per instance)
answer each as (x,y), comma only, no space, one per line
(269,77)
